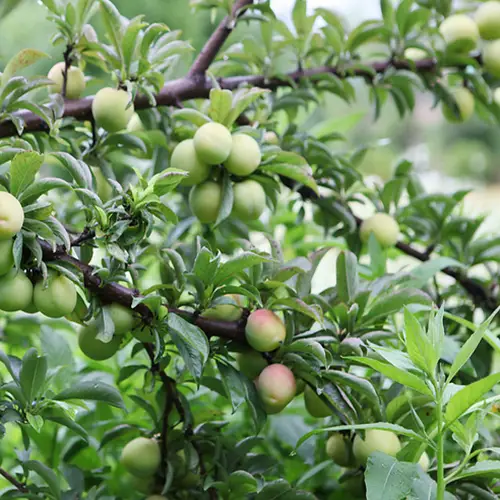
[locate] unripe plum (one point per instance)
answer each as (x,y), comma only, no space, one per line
(184,157)
(226,312)
(375,440)
(264,330)
(338,448)
(94,348)
(245,155)
(270,137)
(213,143)
(488,20)
(11,216)
(205,201)
(123,318)
(135,124)
(460,33)
(110,110)
(496,96)
(251,363)
(384,228)
(424,461)
(102,186)
(75,84)
(276,387)
(315,406)
(141,457)
(491,58)
(465,103)
(414,54)
(16,291)
(6,256)
(249,200)
(57,298)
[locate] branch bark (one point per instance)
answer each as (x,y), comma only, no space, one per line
(12,480)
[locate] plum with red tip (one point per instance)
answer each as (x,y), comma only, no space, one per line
(264,330)
(276,387)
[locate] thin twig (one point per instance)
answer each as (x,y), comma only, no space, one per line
(12,480)
(67,65)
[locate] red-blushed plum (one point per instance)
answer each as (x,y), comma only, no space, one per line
(276,387)
(265,331)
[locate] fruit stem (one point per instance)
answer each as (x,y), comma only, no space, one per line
(440,450)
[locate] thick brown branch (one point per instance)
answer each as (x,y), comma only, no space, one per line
(216,41)
(12,480)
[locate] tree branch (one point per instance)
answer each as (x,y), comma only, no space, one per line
(12,480)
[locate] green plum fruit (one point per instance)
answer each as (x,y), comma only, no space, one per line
(496,96)
(414,54)
(270,137)
(245,155)
(487,18)
(251,363)
(11,216)
(75,84)
(384,228)
(184,157)
(205,201)
(276,387)
(123,318)
(16,291)
(141,457)
(111,110)
(375,440)
(315,405)
(491,58)
(135,124)
(56,298)
(6,256)
(424,461)
(249,200)
(460,33)
(464,100)
(213,143)
(339,449)
(226,312)
(94,348)
(102,186)
(265,330)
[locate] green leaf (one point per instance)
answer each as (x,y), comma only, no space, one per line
(32,375)
(59,417)
(338,125)
(226,205)
(191,115)
(489,468)
(78,169)
(23,170)
(242,99)
(21,60)
(233,384)
(237,264)
(220,104)
(462,400)
(40,187)
(191,342)
(347,276)
(424,272)
(47,474)
(92,390)
(418,345)
(299,173)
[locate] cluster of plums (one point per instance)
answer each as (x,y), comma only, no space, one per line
(213,144)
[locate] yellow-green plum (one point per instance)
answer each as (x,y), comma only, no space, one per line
(314,404)
(424,461)
(264,330)
(270,137)
(460,33)
(465,103)
(11,216)
(103,188)
(135,124)
(75,84)
(6,256)
(111,110)
(123,318)
(184,157)
(384,228)
(16,291)
(414,54)
(57,297)
(141,457)
(375,440)
(226,312)
(245,155)
(205,201)
(276,387)
(95,348)
(251,363)
(491,58)
(338,448)
(487,18)
(249,200)
(213,143)
(144,485)
(496,96)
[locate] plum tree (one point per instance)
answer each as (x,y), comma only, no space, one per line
(226,312)
(57,297)
(460,33)
(75,84)
(491,57)
(213,143)
(11,216)
(375,440)
(141,457)
(465,104)
(122,317)
(249,200)
(315,406)
(16,291)
(383,227)
(112,109)
(487,18)
(250,363)
(245,155)
(184,157)
(95,348)
(339,449)
(6,256)
(264,330)
(205,201)
(276,387)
